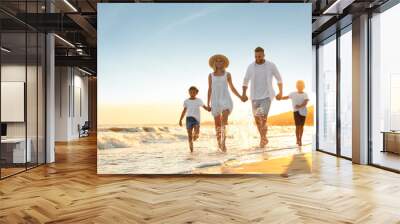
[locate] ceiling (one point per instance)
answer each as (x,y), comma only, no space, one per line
(75,21)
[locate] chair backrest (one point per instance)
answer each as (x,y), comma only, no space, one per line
(86,125)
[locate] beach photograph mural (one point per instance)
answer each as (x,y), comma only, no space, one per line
(219,88)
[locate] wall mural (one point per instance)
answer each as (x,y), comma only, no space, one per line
(204,88)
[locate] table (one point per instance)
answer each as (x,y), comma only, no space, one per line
(16,147)
(391,141)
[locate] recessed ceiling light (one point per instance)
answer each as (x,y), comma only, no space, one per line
(338,6)
(70,5)
(64,40)
(5,50)
(84,71)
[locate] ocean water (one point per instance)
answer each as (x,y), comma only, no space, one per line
(162,149)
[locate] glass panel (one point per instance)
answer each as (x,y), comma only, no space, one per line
(346,94)
(13,86)
(31,87)
(31,98)
(327,96)
(41,98)
(385,84)
(23,89)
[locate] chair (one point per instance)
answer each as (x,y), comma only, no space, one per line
(84,130)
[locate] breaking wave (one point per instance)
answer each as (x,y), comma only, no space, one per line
(164,150)
(115,137)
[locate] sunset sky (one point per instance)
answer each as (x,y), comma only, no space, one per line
(146,66)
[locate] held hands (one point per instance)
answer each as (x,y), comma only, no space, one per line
(208,108)
(180,123)
(244,98)
(279,96)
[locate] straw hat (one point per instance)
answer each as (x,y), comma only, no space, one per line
(213,58)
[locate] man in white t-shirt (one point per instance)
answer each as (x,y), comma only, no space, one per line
(260,74)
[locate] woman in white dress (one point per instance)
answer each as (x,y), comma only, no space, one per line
(219,96)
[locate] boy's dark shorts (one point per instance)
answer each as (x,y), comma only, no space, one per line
(299,120)
(191,122)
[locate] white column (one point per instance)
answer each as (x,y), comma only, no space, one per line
(360,90)
(50,99)
(50,92)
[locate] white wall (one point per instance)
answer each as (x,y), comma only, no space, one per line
(61,103)
(14,73)
(71,102)
(17,73)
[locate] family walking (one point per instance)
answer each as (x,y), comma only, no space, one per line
(260,76)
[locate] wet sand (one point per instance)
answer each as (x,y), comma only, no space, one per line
(286,165)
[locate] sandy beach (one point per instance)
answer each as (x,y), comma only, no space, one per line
(284,165)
